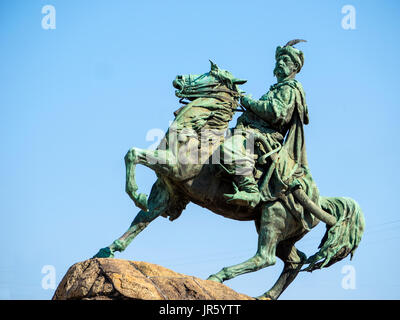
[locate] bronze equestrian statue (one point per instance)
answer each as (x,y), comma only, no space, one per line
(256,171)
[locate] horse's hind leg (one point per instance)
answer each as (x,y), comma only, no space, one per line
(158,204)
(293,261)
(272,225)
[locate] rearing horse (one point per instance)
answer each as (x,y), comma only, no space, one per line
(188,168)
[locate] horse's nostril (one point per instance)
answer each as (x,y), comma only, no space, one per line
(176,84)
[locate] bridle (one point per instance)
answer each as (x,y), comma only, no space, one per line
(210,90)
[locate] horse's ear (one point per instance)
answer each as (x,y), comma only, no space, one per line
(214,67)
(239,81)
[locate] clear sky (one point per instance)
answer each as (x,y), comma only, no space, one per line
(75,98)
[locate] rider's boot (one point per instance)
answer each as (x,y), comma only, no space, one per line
(247,193)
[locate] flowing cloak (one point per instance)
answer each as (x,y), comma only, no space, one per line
(290,168)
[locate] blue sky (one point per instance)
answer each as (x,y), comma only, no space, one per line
(76,98)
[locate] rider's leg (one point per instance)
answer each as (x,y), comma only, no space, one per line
(272,226)
(158,204)
(238,155)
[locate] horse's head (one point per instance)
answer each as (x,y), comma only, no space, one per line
(193,86)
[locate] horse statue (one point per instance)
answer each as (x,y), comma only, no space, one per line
(188,169)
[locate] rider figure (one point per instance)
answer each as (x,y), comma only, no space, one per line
(280,110)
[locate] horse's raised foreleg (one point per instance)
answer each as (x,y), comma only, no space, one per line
(161,161)
(293,261)
(272,225)
(158,204)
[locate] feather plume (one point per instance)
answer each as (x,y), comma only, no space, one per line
(293,42)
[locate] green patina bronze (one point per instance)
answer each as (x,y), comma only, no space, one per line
(256,171)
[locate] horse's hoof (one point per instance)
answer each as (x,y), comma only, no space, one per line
(104,253)
(214,278)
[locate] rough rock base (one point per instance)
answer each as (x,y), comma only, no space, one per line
(113,279)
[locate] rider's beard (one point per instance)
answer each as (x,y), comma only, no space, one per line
(281,71)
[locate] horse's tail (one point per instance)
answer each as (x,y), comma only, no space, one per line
(341,239)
